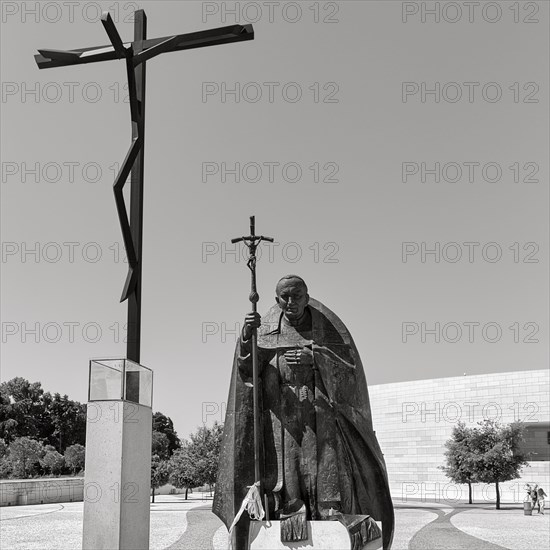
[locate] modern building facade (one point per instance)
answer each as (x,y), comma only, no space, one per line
(413,420)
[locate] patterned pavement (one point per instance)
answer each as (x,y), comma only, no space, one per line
(177,524)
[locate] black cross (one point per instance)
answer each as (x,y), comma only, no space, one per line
(136,53)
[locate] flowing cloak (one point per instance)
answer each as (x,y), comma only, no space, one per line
(343,413)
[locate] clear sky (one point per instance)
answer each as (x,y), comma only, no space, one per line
(364,135)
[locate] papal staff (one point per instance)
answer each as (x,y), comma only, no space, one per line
(253,500)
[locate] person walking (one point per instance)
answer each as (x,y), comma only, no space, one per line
(534,496)
(540,500)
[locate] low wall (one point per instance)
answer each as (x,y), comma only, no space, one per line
(41,491)
(169,489)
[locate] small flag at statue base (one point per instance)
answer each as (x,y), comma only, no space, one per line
(252,503)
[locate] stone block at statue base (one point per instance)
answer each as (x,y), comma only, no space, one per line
(323,535)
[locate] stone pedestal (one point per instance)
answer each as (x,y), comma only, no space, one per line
(323,535)
(117,483)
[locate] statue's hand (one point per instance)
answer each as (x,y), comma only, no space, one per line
(252,320)
(302,356)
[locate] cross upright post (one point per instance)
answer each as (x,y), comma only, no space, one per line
(133,341)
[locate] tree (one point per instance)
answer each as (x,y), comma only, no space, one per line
(75,457)
(164,424)
(8,425)
(184,471)
(52,461)
(68,421)
(160,473)
(4,449)
(25,454)
(6,466)
(24,410)
(205,448)
(196,462)
(499,456)
(460,458)
(160,445)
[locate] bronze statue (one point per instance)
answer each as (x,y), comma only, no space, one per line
(319,458)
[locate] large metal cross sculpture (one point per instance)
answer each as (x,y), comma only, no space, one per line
(136,53)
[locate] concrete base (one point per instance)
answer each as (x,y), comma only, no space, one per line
(117,483)
(323,535)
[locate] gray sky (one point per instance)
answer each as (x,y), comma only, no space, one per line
(337,137)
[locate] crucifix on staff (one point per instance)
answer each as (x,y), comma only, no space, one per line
(253,500)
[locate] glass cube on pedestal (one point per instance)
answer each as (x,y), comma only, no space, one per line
(120,379)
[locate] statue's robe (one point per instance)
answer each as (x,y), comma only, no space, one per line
(317,440)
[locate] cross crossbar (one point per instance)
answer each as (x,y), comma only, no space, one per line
(48,59)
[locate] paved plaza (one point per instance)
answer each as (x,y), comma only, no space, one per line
(177,524)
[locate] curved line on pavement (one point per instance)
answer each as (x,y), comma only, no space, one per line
(441,534)
(35,515)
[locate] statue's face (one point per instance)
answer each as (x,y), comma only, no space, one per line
(292,297)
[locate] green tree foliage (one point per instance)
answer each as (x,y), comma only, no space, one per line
(25,454)
(196,462)
(160,473)
(160,445)
(24,410)
(164,442)
(500,457)
(205,443)
(27,411)
(460,458)
(6,467)
(184,472)
(75,457)
(488,453)
(52,461)
(68,419)
(164,425)
(5,462)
